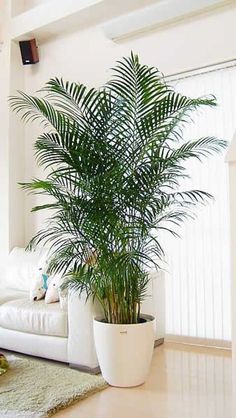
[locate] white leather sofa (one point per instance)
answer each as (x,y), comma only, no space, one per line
(47,330)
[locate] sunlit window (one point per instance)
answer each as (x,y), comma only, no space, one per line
(198,269)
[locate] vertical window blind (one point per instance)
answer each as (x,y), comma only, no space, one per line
(198,267)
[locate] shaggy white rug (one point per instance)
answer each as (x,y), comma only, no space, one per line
(38,389)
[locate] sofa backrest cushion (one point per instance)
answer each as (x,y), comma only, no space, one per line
(21,268)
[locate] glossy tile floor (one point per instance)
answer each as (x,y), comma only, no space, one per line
(184,381)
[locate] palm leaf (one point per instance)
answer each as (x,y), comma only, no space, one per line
(115,158)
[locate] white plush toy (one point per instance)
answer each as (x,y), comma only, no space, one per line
(52,293)
(63,297)
(39,286)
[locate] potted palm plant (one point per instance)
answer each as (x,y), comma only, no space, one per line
(114,158)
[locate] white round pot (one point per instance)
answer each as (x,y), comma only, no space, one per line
(124,351)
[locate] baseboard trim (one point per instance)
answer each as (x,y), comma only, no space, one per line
(202,342)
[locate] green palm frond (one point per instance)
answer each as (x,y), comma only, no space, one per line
(115,158)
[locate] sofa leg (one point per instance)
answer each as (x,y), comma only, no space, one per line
(158,342)
(85,369)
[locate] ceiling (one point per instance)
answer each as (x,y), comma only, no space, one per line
(118,18)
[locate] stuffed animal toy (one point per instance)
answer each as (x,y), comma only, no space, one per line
(52,294)
(4,365)
(63,297)
(39,286)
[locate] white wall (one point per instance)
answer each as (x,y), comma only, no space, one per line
(16,155)
(11,143)
(4,155)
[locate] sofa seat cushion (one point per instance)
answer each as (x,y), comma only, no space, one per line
(7,295)
(34,317)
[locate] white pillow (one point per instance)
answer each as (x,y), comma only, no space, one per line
(21,266)
(52,293)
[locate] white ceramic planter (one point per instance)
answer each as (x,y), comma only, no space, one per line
(124,351)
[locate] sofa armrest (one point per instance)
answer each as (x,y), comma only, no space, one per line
(81,347)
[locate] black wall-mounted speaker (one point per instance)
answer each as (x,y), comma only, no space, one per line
(29,52)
